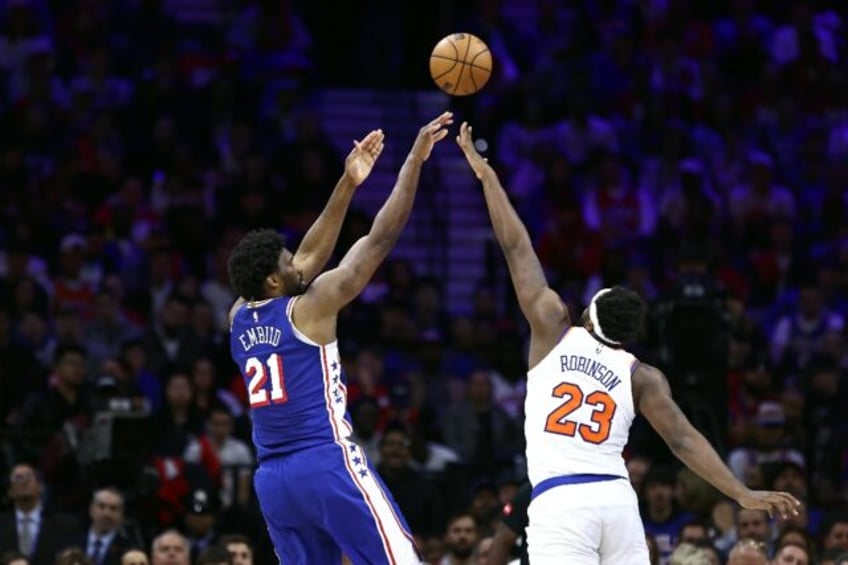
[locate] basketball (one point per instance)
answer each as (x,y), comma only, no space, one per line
(461,64)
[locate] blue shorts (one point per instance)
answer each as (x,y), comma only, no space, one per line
(327,500)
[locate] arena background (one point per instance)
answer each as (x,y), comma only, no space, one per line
(694,151)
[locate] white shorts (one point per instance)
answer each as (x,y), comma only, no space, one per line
(587,524)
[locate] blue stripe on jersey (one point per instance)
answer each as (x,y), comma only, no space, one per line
(297,391)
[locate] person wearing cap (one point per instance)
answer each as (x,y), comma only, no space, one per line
(584,389)
(201,520)
(746,462)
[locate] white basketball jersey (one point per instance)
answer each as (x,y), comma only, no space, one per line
(578,409)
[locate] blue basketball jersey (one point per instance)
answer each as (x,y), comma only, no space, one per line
(296,389)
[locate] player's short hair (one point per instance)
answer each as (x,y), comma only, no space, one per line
(252,260)
(621,314)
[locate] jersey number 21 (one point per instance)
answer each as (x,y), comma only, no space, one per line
(259,374)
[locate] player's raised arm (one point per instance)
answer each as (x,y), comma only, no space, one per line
(652,397)
(318,243)
(336,288)
(542,307)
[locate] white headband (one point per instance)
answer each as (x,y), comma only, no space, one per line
(593,315)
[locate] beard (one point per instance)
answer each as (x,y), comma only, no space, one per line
(299,287)
(462,551)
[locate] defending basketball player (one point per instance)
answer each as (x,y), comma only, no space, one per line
(318,493)
(583,391)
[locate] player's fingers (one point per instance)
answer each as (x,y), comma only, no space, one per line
(369,141)
(793,504)
(783,505)
(358,145)
(444,118)
(440,135)
(377,152)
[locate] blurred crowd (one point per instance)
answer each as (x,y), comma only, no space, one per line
(694,151)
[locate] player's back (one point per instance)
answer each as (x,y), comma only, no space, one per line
(295,387)
(579,409)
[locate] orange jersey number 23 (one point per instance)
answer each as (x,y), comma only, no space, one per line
(601,420)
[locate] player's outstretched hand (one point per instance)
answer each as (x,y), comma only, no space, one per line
(775,503)
(431,134)
(360,161)
(465,141)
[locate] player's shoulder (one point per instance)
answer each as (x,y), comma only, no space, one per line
(647,379)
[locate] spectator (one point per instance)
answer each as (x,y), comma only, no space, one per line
(661,516)
(693,533)
(67,398)
(215,555)
(748,552)
(799,336)
(835,533)
(767,447)
(134,557)
(791,554)
(30,528)
(419,501)
(688,554)
(171,342)
(177,422)
(239,547)
(365,413)
(105,543)
(460,540)
(170,548)
(73,556)
(14,558)
(480,431)
(200,521)
(753,525)
(227,460)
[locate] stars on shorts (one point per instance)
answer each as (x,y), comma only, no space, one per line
(359,463)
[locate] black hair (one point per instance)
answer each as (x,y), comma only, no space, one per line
(68,348)
(235,538)
(254,258)
(621,314)
(693,524)
(831,521)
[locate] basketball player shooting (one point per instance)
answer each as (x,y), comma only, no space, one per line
(318,493)
(583,391)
